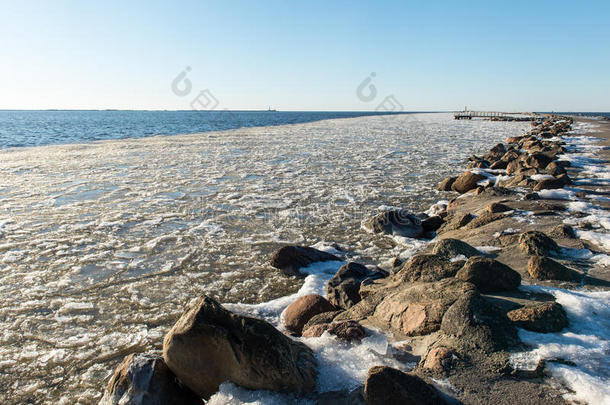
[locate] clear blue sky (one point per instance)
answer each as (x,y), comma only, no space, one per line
(306,55)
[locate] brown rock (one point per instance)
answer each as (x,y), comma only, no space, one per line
(385,386)
(345,330)
(549,184)
(489,275)
(554,169)
(538,160)
(455,221)
(446,184)
(496,207)
(497,151)
(563,231)
(510,156)
(536,243)
(514,166)
(324,317)
(427,267)
(418,309)
(514,139)
(544,268)
(466,182)
(146,379)
(210,345)
(439,359)
(303,309)
(451,248)
(396,263)
(498,165)
(479,164)
(544,318)
(485,219)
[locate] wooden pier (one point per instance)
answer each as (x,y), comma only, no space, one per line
(498,116)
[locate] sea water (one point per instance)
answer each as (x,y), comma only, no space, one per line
(102,244)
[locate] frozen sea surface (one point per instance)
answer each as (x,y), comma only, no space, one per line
(102,244)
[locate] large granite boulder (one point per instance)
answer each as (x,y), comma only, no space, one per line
(290,259)
(210,345)
(476,324)
(489,275)
(451,248)
(427,267)
(395,222)
(297,314)
(446,183)
(563,231)
(418,309)
(545,268)
(466,182)
(343,290)
(386,386)
(554,169)
(497,151)
(543,318)
(538,160)
(536,243)
(145,379)
(431,224)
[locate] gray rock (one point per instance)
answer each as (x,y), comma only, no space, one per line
(395,222)
(345,397)
(145,379)
(290,259)
(431,224)
(475,324)
(343,290)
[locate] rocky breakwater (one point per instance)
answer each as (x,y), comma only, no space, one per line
(454,307)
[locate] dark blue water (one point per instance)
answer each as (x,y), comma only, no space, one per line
(35,128)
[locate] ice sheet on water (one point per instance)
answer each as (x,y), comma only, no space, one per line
(585,342)
(167,216)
